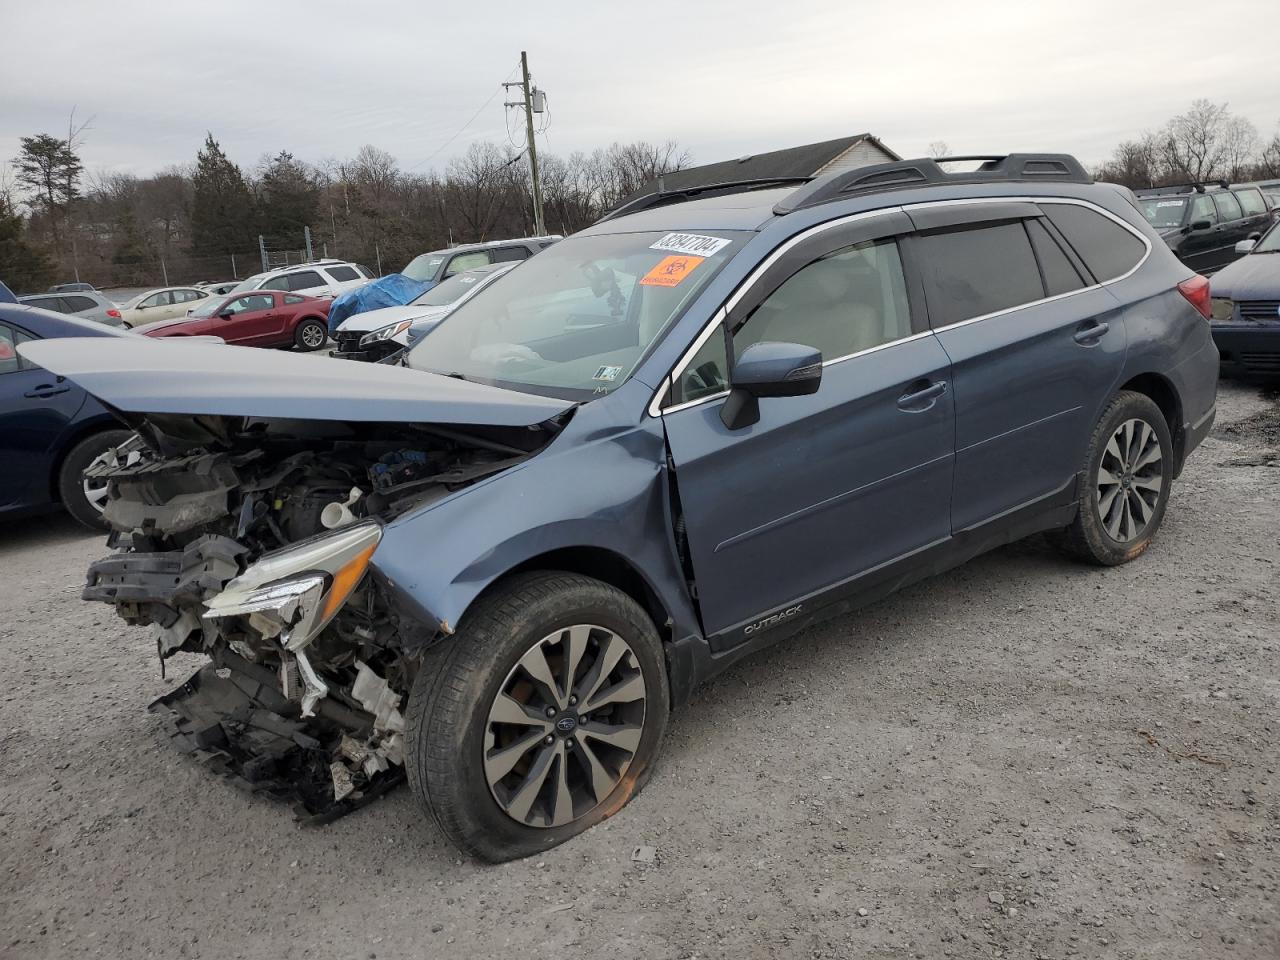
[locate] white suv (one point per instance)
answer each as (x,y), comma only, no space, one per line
(316,278)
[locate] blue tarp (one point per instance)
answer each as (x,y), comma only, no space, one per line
(393,290)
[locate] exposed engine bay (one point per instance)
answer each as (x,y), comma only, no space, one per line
(250,541)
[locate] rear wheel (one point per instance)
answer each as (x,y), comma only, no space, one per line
(1128,473)
(310,335)
(540,718)
(84,498)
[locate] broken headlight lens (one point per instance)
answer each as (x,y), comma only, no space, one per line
(385,333)
(294,592)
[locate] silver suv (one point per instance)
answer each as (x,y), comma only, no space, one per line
(316,278)
(88,304)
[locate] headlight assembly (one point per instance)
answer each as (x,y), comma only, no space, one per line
(293,593)
(1221,309)
(388,332)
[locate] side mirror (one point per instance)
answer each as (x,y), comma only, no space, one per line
(769,370)
(226,316)
(1244,246)
(1198,225)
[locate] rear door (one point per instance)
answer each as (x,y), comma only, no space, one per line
(827,490)
(1201,250)
(1233,226)
(1036,345)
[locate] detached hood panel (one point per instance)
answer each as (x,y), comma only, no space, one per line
(140,375)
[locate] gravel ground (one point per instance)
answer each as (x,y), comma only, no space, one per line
(1022,758)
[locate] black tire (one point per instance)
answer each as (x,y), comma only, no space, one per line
(71,489)
(307,329)
(1088,537)
(449,707)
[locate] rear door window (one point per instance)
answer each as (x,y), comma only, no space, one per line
(76,304)
(305,280)
(1251,202)
(1202,208)
(276,283)
(467,261)
(510,254)
(1106,248)
(1228,206)
(1059,273)
(342,274)
(977,270)
(48,303)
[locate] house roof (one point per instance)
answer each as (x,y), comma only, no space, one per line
(802,161)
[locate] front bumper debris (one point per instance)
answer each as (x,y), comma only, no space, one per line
(231,717)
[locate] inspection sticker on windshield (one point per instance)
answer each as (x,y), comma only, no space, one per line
(691,243)
(607,373)
(670,271)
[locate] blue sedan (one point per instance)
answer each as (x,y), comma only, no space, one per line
(50,429)
(1246,307)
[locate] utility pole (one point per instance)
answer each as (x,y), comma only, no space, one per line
(530,107)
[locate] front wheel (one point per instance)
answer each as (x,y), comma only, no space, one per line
(1127,476)
(539,718)
(310,335)
(82,497)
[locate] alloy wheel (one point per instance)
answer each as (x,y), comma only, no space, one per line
(313,336)
(95,493)
(564,727)
(1129,481)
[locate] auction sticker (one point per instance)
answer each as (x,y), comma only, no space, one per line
(691,243)
(670,271)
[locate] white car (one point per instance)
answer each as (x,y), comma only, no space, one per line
(162,304)
(315,278)
(376,334)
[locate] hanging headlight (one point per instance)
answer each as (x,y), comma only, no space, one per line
(293,593)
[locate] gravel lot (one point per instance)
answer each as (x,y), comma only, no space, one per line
(1022,758)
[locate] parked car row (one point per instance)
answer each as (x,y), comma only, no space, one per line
(1202,222)
(1246,308)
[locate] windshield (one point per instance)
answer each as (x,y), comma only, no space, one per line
(249,283)
(1270,242)
(1164,214)
(574,321)
(209,308)
(447,291)
(423,268)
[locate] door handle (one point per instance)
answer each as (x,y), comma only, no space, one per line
(1091,332)
(46,390)
(922,396)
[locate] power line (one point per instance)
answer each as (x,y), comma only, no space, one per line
(465,125)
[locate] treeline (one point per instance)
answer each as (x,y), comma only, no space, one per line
(203,220)
(1206,143)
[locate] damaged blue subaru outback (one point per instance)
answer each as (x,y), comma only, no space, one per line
(659,446)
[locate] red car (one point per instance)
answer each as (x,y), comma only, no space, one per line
(263,318)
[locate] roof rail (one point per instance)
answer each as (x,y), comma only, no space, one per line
(661,196)
(1196,186)
(1056,167)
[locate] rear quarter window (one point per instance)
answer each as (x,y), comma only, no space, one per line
(76,304)
(1106,248)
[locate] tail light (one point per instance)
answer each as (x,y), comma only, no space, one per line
(113,314)
(1196,290)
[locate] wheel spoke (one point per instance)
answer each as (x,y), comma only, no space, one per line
(1113,516)
(522,800)
(611,651)
(575,645)
(1113,449)
(1106,477)
(1149,483)
(1126,444)
(562,808)
(96,495)
(1106,500)
(498,764)
(601,780)
(535,664)
(508,710)
(1140,510)
(625,736)
(1148,456)
(624,691)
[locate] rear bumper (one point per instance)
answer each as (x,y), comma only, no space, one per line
(1248,347)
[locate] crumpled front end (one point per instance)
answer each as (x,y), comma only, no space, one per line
(255,544)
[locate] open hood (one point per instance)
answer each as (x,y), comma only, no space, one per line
(140,375)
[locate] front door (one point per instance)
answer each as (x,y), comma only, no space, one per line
(783,515)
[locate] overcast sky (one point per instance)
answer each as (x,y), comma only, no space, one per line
(724,79)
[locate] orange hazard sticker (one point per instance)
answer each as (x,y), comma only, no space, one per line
(670,271)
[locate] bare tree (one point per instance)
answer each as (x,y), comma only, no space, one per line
(1195,143)
(939,150)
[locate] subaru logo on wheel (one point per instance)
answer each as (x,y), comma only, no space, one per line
(567,724)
